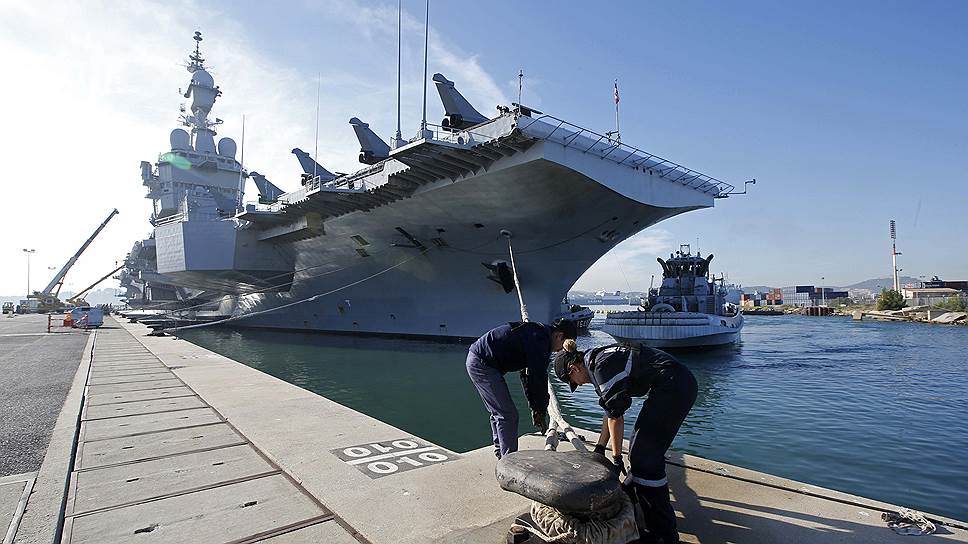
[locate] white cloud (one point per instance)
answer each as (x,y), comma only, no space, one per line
(630,265)
(91,92)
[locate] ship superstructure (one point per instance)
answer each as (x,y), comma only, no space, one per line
(691,308)
(197,184)
(412,242)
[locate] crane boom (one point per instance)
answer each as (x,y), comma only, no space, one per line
(58,280)
(80,294)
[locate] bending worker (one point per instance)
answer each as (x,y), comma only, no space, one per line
(523,346)
(619,372)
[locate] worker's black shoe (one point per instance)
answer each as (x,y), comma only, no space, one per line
(659,517)
(518,535)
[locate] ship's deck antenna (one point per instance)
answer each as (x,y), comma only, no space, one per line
(242,165)
(398,139)
(319,78)
(423,122)
(197,62)
(617,133)
(520,83)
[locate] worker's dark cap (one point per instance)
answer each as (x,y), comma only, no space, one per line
(561,362)
(566,327)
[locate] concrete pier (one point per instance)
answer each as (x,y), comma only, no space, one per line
(36,369)
(160,440)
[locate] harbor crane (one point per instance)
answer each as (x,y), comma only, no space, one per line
(78,298)
(47,300)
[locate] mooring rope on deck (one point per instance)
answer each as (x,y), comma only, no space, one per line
(556,421)
(270,288)
(301,301)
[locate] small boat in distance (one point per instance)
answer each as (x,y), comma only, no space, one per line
(690,308)
(580,315)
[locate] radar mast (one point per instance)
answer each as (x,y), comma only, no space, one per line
(196,60)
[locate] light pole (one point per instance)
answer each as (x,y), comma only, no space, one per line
(823,294)
(28,252)
(894,254)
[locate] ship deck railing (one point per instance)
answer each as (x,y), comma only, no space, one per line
(460,137)
(608,147)
(173,218)
(344,183)
(544,127)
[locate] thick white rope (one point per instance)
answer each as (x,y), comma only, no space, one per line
(308,299)
(556,422)
(517,284)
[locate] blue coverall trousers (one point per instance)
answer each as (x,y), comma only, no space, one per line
(494,392)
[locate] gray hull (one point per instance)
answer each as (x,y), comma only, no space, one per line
(710,340)
(557,218)
(401,248)
(674,329)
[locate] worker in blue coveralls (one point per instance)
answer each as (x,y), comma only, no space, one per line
(619,372)
(520,346)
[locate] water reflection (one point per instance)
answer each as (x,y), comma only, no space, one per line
(418,386)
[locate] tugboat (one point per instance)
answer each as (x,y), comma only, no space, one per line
(690,308)
(580,315)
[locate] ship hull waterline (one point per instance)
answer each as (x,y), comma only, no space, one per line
(703,341)
(674,330)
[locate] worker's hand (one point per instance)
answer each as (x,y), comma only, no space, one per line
(600,449)
(540,420)
(619,465)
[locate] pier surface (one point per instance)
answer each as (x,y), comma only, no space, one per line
(36,369)
(175,443)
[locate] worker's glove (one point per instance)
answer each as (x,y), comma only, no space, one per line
(540,420)
(619,465)
(600,449)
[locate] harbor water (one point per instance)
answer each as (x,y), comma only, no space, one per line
(871,408)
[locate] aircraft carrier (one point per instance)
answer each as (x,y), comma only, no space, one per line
(416,242)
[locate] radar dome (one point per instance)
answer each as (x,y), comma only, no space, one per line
(180,140)
(203,78)
(226,147)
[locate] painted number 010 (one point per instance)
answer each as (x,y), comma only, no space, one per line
(386,467)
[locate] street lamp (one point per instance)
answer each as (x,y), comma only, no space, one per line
(28,252)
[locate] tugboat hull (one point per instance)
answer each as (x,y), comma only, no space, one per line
(674,329)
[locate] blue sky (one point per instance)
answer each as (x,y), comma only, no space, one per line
(847,114)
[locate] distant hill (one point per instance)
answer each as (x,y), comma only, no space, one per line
(761,288)
(882,282)
(874,284)
(97,296)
